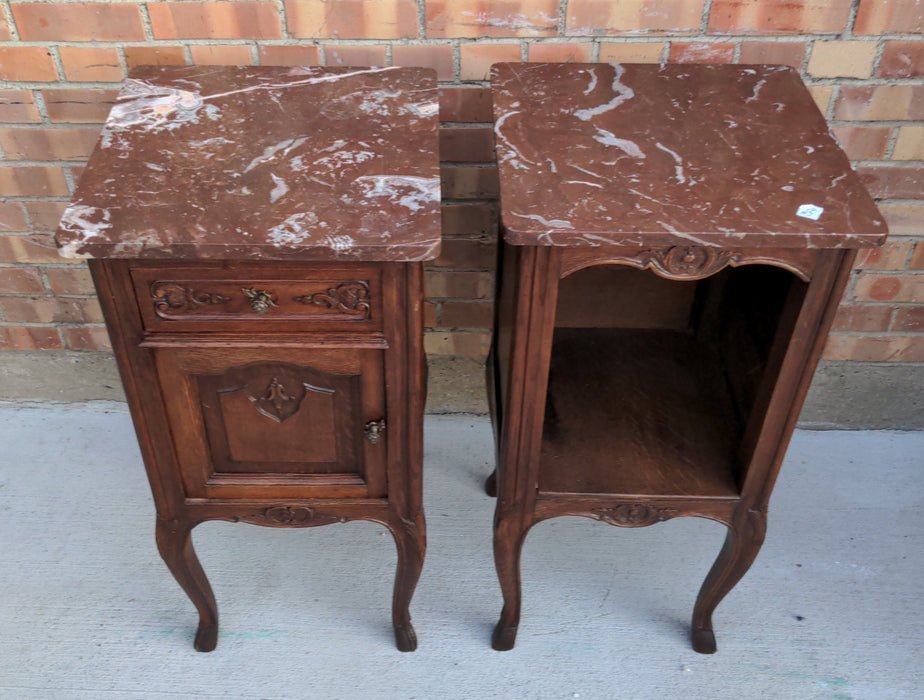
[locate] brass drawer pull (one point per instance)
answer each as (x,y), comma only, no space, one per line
(260,300)
(374,430)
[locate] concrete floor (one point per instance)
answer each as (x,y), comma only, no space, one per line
(833,607)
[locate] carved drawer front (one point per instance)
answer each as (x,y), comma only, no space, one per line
(277,423)
(317,297)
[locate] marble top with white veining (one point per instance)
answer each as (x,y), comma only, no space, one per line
(263,163)
(716,155)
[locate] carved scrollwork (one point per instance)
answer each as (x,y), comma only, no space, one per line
(633,514)
(350,298)
(288,516)
(169,297)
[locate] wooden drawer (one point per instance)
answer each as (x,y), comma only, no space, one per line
(258,298)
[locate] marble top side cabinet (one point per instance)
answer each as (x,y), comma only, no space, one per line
(676,242)
(256,236)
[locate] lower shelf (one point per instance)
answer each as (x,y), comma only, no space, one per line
(637,413)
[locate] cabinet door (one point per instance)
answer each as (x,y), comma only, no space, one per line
(275,422)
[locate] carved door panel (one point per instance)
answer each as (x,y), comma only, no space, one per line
(280,423)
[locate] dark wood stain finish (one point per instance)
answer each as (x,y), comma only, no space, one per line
(646,368)
(274,371)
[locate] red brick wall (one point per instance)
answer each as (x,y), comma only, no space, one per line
(61,62)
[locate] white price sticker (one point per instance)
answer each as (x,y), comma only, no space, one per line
(809,211)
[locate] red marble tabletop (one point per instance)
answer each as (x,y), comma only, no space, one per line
(263,163)
(598,154)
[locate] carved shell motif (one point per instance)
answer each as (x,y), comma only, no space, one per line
(288,516)
(687,262)
(634,514)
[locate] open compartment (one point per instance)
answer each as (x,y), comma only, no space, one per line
(655,384)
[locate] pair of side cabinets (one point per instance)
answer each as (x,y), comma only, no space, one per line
(271,345)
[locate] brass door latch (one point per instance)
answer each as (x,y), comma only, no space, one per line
(374,430)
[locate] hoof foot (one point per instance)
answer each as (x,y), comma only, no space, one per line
(490,485)
(206,638)
(504,638)
(405,638)
(704,641)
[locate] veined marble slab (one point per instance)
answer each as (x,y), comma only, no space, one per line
(638,155)
(263,163)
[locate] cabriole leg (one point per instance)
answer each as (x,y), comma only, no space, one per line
(509,536)
(742,543)
(175,546)
(411,543)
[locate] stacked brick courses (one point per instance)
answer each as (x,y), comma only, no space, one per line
(61,63)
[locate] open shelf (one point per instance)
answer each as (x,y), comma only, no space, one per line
(653,382)
(637,412)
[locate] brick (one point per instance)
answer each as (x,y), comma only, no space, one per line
(842,59)
(893,181)
(50,310)
(469,182)
(467,314)
(86,106)
(27,63)
(467,145)
(458,285)
(474,18)
(476,59)
(289,55)
(435,56)
(154,56)
(917,259)
(221,54)
(560,52)
(215,20)
(910,143)
(32,181)
(467,253)
(459,343)
(48,144)
(634,52)
(909,319)
(12,217)
(352,19)
(5,33)
(78,21)
(863,142)
(69,280)
(20,280)
(469,219)
(429,314)
(45,215)
(778,16)
(779,53)
(336,55)
(701,52)
(862,317)
(86,338)
(888,16)
(892,255)
(907,288)
(874,349)
(18,106)
(904,219)
(822,96)
(595,18)
(880,103)
(91,63)
(31,248)
(29,338)
(466,104)
(902,59)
